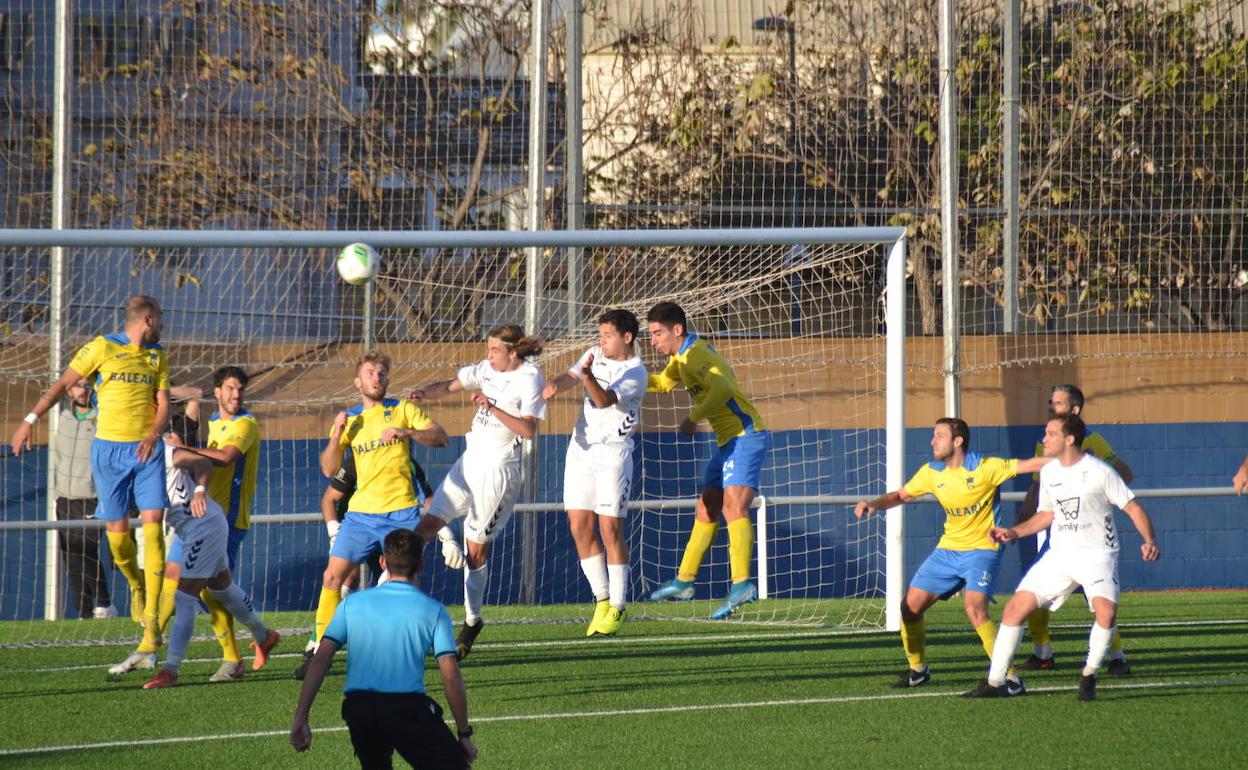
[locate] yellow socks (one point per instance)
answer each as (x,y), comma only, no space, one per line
(153,572)
(700,540)
(914,641)
(168,601)
(1038,625)
(125,556)
(222,626)
(325,610)
(1115,645)
(987,635)
(740,547)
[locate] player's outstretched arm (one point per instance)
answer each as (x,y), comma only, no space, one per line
(1143,525)
(21,436)
(300,731)
(1240,480)
(558,385)
(1041,520)
(1032,464)
(1027,508)
(457,699)
(433,435)
(882,503)
(434,390)
(524,427)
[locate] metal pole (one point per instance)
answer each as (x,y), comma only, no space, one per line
(535,218)
(56,277)
(370,314)
(948,205)
(574,196)
(1010,167)
(895,430)
(795,305)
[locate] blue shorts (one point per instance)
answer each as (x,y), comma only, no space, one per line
(232,546)
(122,482)
(739,463)
(361,534)
(946,572)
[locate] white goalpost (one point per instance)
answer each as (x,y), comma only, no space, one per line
(812,321)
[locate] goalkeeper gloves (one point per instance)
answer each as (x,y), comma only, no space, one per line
(452,554)
(332,528)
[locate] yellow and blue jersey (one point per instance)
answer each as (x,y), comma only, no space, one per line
(382,468)
(127,377)
(233,486)
(716,395)
(969,495)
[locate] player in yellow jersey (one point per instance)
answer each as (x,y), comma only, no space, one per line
(378,430)
(1064,399)
(131,378)
(966,486)
(731,479)
(234,451)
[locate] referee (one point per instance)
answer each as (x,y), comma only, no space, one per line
(390,629)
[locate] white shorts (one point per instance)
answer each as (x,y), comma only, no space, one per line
(1056,575)
(598,478)
(484,490)
(204,542)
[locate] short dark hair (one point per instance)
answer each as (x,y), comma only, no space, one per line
(229,372)
(959,429)
(402,549)
(668,314)
(1076,395)
(1072,425)
(623,320)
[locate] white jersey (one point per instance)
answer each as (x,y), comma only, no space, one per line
(517,392)
(1081,497)
(616,423)
(180,485)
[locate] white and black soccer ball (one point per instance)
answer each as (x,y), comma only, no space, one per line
(358,263)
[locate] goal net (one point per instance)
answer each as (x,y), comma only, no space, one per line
(802,325)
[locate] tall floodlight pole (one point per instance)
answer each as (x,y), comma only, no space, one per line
(949,206)
(534,219)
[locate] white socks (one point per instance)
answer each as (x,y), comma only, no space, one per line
(238,603)
(618,574)
(1003,651)
(474,592)
(595,569)
(1098,645)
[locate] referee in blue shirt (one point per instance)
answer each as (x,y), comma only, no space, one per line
(390,629)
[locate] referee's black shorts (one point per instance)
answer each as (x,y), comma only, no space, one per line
(381,723)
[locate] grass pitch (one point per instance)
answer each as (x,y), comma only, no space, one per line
(672,694)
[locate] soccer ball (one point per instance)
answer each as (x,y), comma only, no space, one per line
(357,263)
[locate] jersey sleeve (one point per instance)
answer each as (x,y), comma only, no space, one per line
(469,377)
(531,403)
(920,483)
(242,434)
(443,635)
(1045,500)
(631,388)
(89,357)
(1098,447)
(1116,490)
(576,368)
(666,380)
(415,416)
(162,371)
(717,385)
(337,628)
(344,479)
(1000,470)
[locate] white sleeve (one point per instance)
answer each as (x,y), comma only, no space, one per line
(531,402)
(631,388)
(468,376)
(575,371)
(1116,490)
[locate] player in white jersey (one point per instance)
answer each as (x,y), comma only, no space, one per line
(598,471)
(1076,498)
(483,484)
(200,524)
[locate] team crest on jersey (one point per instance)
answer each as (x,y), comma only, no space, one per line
(153,358)
(386,414)
(970,482)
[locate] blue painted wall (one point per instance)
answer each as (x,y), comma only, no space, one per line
(1204,542)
